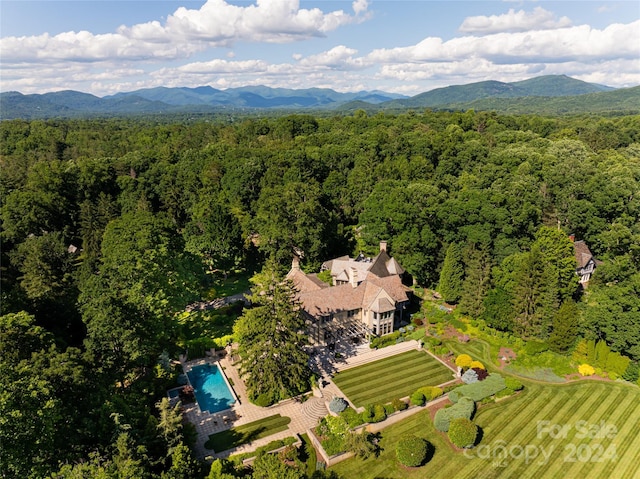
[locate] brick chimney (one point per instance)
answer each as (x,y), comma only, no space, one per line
(295,263)
(383,246)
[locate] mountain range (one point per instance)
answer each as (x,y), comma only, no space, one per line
(206,99)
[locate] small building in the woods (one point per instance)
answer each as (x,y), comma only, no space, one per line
(367,296)
(585,260)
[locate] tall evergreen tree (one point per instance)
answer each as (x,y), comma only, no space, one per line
(565,327)
(274,362)
(534,296)
(476,281)
(452,274)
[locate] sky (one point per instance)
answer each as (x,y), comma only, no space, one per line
(105,47)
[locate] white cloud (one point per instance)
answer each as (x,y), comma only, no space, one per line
(581,43)
(520,21)
(216,24)
(360,6)
(339,58)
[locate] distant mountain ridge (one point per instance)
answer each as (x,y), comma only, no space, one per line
(204,99)
(543,86)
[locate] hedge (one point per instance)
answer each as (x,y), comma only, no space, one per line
(464,408)
(480,390)
(399,405)
(412,451)
(431,392)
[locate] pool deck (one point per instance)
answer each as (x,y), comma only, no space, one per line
(304,415)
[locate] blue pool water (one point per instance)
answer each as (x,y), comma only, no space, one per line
(211,390)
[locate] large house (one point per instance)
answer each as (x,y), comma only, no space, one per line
(586,262)
(366,297)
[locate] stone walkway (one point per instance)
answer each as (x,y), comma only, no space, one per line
(304,415)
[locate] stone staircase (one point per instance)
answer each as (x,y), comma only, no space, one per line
(314,408)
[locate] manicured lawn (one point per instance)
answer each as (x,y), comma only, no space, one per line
(519,424)
(393,377)
(236,436)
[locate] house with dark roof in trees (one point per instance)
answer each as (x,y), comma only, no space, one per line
(366,297)
(586,263)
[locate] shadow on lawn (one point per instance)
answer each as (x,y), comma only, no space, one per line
(224,440)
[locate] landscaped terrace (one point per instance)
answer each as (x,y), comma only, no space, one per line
(397,376)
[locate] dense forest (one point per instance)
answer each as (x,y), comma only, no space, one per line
(110,228)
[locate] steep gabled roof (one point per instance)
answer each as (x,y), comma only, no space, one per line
(304,282)
(583,254)
(382,305)
(393,286)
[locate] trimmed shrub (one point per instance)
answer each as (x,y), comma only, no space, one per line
(476,364)
(470,376)
(416,321)
(462,432)
(464,408)
(374,413)
(399,405)
(352,418)
(337,405)
(431,392)
(482,373)
(480,390)
(417,399)
(513,384)
(389,409)
(386,340)
(441,420)
(412,451)
(586,370)
(463,361)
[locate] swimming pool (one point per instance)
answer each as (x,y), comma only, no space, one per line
(210,388)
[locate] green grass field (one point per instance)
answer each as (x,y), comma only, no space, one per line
(236,436)
(586,430)
(393,377)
